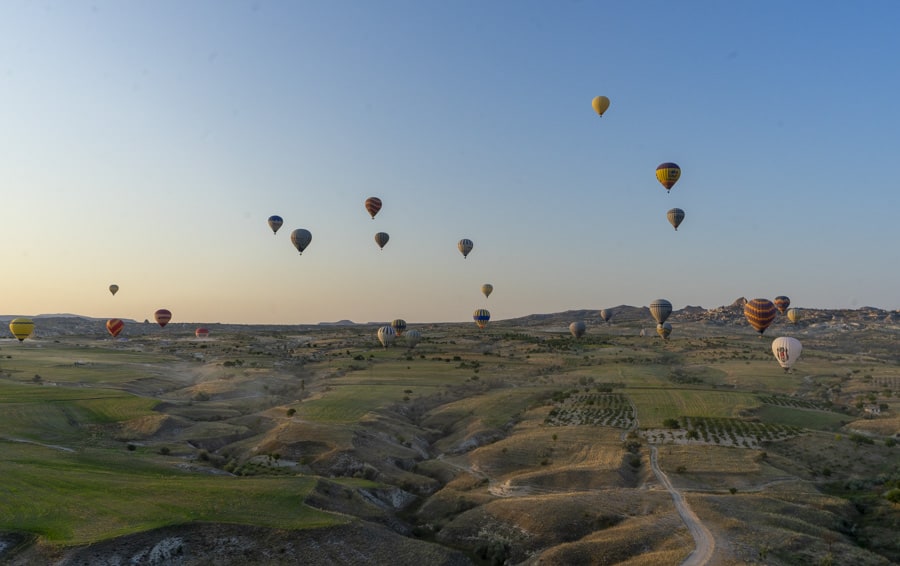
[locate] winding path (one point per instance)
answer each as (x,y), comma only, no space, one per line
(704,542)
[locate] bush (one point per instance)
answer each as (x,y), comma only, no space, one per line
(671,423)
(164,450)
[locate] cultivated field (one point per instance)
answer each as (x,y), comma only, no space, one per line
(517,444)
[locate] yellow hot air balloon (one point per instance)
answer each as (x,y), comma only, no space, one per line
(668,174)
(600,104)
(21,327)
(794,315)
(487,289)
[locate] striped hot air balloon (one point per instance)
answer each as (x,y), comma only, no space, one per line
(481,316)
(675,216)
(465,246)
(201,333)
(162,316)
(577,328)
(373,205)
(668,174)
(794,315)
(413,337)
(399,325)
(782,303)
(21,327)
(660,309)
(115,326)
(386,335)
(760,313)
(381,239)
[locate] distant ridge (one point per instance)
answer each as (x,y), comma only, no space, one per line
(344,322)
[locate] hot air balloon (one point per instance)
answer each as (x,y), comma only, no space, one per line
(465,246)
(660,309)
(115,326)
(162,316)
(760,313)
(373,205)
(600,104)
(668,174)
(202,333)
(794,315)
(275,223)
(399,325)
(577,328)
(606,315)
(481,316)
(381,239)
(413,337)
(114,289)
(301,238)
(386,335)
(782,303)
(675,216)
(487,289)
(787,351)
(21,327)
(664,330)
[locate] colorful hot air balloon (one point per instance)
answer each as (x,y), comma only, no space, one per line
(577,328)
(487,289)
(787,351)
(465,246)
(275,223)
(675,216)
(481,316)
(782,303)
(668,174)
(21,327)
(600,104)
(386,335)
(115,326)
(606,315)
(201,333)
(301,238)
(664,330)
(399,325)
(413,337)
(114,289)
(660,309)
(794,315)
(162,316)
(373,205)
(381,239)
(760,313)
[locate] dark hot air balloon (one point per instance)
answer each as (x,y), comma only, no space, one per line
(162,316)
(373,205)
(301,239)
(115,326)
(275,223)
(760,313)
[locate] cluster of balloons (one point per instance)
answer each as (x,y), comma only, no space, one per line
(387,334)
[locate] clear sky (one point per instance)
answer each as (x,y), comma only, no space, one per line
(146,143)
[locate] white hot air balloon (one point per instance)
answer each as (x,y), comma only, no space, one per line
(413,337)
(577,328)
(787,351)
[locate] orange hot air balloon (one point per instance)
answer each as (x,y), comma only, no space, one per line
(782,303)
(201,332)
(162,316)
(115,326)
(373,205)
(760,313)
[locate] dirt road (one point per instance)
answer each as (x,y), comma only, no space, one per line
(704,543)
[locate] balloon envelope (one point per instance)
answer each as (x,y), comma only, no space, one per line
(487,289)
(386,335)
(114,289)
(465,246)
(201,332)
(668,174)
(577,328)
(606,315)
(162,316)
(373,205)
(675,216)
(600,104)
(787,351)
(481,316)
(381,239)
(115,326)
(21,327)
(399,325)
(301,238)
(794,315)
(275,223)
(413,337)
(664,330)
(782,303)
(760,313)
(660,309)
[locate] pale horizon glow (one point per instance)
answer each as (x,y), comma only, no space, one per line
(146,144)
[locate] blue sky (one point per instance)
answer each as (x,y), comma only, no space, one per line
(146,143)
